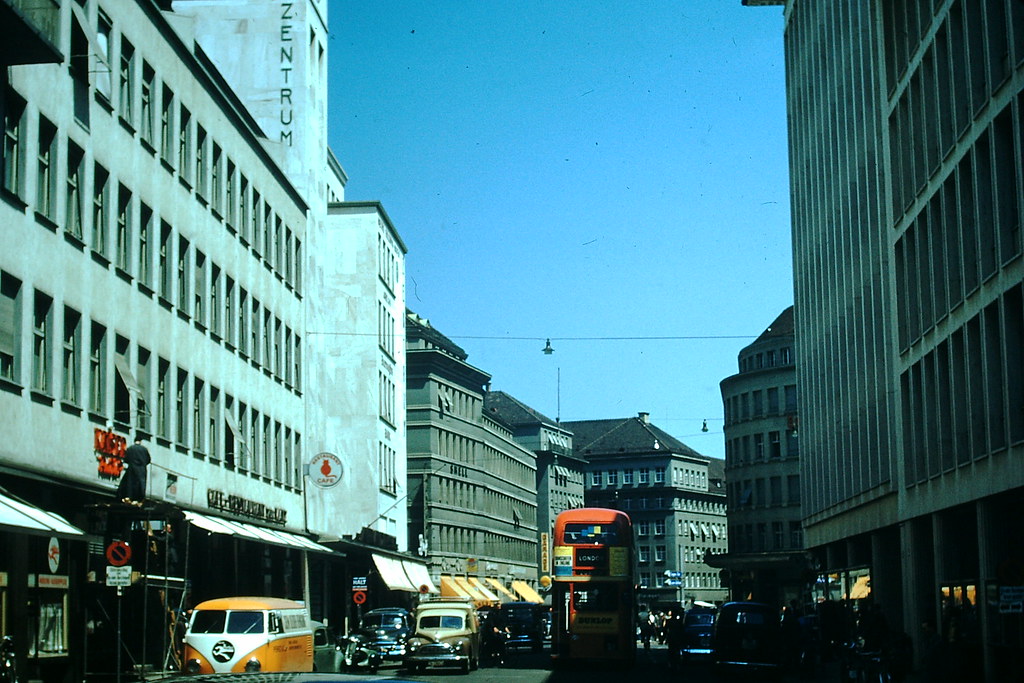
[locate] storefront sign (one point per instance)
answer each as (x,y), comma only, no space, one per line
(325,470)
(545,553)
(243,507)
(45,581)
(109,448)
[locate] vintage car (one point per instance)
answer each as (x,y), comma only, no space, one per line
(446,633)
(698,629)
(327,655)
(386,630)
(748,635)
(524,623)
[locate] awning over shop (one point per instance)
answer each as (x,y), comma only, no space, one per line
(468,588)
(450,589)
(483,590)
(393,573)
(419,577)
(526,592)
(19,514)
(251,532)
(501,588)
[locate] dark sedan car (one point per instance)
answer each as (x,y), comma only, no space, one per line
(386,630)
(747,635)
(698,629)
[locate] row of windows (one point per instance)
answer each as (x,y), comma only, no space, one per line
(962,401)
(690,580)
(751,448)
(839,272)
(645,554)
(766,359)
(465,495)
(76,362)
(481,543)
(387,259)
(970,227)
(387,395)
(685,529)
(966,63)
(148,107)
(759,493)
(385,329)
(643,476)
(122,227)
(453,401)
(760,403)
(754,538)
(387,467)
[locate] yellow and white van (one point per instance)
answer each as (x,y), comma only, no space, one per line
(248,634)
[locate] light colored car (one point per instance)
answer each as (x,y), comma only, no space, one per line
(327,656)
(446,633)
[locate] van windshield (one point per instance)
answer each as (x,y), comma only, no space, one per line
(245,622)
(209,621)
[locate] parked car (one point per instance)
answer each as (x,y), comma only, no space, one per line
(386,630)
(446,633)
(327,655)
(524,623)
(698,630)
(747,635)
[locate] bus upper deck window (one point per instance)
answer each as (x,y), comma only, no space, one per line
(245,622)
(209,621)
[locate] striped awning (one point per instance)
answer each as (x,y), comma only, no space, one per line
(484,591)
(419,577)
(526,592)
(451,589)
(23,516)
(393,573)
(501,589)
(251,532)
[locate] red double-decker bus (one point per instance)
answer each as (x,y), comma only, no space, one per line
(593,601)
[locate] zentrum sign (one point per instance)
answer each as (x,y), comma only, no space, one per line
(325,470)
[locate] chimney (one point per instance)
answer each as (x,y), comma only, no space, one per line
(645,418)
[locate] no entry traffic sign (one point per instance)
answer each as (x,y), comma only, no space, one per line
(118,553)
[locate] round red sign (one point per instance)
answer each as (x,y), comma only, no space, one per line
(359,597)
(118,553)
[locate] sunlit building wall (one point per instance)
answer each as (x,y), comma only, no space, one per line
(905,137)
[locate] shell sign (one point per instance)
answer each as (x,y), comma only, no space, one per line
(325,470)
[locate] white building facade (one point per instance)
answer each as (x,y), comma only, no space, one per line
(169,269)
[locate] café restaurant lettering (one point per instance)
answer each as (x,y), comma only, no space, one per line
(109,448)
(243,507)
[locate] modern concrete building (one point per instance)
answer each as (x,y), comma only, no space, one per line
(675,496)
(472,487)
(905,137)
(560,474)
(169,268)
(766,561)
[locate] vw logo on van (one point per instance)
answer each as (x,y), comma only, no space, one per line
(223,651)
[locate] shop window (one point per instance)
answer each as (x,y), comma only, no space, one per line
(48,623)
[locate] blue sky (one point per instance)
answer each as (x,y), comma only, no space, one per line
(603,174)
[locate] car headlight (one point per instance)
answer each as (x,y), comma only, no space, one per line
(193,666)
(253,665)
